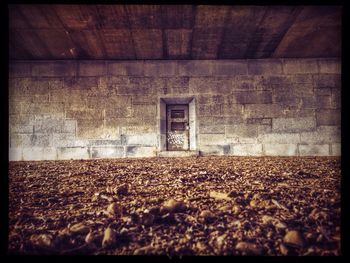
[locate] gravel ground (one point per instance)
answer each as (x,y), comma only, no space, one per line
(176,206)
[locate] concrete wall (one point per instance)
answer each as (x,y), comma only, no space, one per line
(96,109)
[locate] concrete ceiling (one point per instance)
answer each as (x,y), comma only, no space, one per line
(173,32)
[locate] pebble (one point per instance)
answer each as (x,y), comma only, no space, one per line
(206,216)
(122,189)
(284,250)
(147,219)
(173,206)
(114,210)
(293,238)
(248,248)
(79,228)
(108,238)
(42,240)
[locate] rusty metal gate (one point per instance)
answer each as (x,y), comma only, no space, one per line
(177,127)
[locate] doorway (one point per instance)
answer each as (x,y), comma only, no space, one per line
(183,122)
(177,134)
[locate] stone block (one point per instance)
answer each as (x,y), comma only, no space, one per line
(69,126)
(119,112)
(336,149)
(75,153)
(48,126)
(232,110)
(84,114)
(330,66)
(54,69)
(42,108)
(229,68)
(262,121)
(247,149)
(104,142)
(314,150)
(89,128)
(328,117)
(107,152)
(265,67)
(211,139)
(262,110)
(15,154)
(209,110)
(126,68)
(144,110)
(283,138)
(62,139)
(227,120)
(195,68)
(251,97)
(323,135)
(300,66)
(137,151)
(92,68)
(82,84)
(217,129)
(293,124)
(39,153)
(210,85)
(160,68)
(142,129)
(280,149)
(336,98)
(55,83)
(19,69)
(242,130)
(327,81)
(210,99)
(293,90)
(144,139)
(205,150)
(249,140)
(143,99)
(323,91)
(21,140)
(300,78)
(323,102)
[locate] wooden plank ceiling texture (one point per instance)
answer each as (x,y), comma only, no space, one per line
(173,32)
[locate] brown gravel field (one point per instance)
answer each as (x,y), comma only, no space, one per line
(176,206)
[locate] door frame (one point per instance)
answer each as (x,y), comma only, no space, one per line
(167,125)
(161,120)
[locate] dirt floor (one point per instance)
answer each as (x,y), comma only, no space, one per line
(176,206)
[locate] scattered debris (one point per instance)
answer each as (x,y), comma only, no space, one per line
(170,206)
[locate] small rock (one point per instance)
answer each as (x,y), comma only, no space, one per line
(42,240)
(154,210)
(254,203)
(248,248)
(236,209)
(147,219)
(114,210)
(135,218)
(267,219)
(144,250)
(108,238)
(219,196)
(207,216)
(93,237)
(293,238)
(284,250)
(173,206)
(79,228)
(122,189)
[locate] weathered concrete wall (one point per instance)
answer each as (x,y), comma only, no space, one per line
(95,109)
